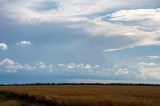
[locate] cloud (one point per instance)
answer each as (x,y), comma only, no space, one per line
(138,26)
(112,50)
(7,61)
(145,71)
(28,11)
(87,66)
(24,43)
(151,57)
(41,65)
(122,71)
(148,64)
(9,65)
(75,66)
(137,15)
(149,71)
(65,10)
(72,65)
(62,65)
(3,46)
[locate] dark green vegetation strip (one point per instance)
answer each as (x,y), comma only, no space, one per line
(24,100)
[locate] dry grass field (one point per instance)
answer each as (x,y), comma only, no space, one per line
(89,95)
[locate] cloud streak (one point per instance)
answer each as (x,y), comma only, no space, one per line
(151,57)
(75,66)
(24,43)
(136,15)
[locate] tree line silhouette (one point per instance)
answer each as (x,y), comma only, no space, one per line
(107,84)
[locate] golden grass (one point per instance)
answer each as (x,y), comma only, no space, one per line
(76,95)
(10,103)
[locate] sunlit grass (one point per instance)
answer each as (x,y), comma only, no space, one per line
(68,95)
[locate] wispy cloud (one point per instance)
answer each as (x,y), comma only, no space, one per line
(151,57)
(140,26)
(148,64)
(24,43)
(136,15)
(75,66)
(68,10)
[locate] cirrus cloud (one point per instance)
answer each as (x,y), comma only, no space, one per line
(136,15)
(151,57)
(138,25)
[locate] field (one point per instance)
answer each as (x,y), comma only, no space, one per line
(80,95)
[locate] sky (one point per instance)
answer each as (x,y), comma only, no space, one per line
(80,41)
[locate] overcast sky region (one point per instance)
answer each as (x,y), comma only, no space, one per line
(80,41)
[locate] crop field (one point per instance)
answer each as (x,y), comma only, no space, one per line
(80,95)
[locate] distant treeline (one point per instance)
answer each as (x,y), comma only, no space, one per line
(109,84)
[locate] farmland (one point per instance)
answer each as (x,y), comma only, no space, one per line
(83,95)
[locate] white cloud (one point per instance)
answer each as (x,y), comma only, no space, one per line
(137,15)
(50,68)
(7,61)
(148,64)
(87,66)
(3,46)
(142,29)
(150,73)
(72,65)
(66,10)
(28,67)
(9,65)
(122,71)
(145,71)
(42,66)
(75,66)
(62,65)
(151,57)
(111,50)
(24,43)
(140,26)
